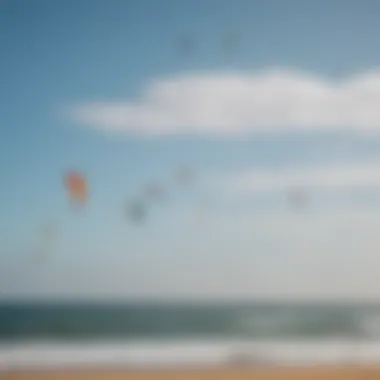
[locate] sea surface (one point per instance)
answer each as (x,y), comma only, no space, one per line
(173,334)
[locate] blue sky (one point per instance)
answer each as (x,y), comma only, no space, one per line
(102,87)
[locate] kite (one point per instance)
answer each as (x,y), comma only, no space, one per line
(76,187)
(136,211)
(185,176)
(298,198)
(186,44)
(230,41)
(155,192)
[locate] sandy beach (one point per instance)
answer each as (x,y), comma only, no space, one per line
(220,374)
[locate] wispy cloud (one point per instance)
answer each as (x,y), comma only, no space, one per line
(233,103)
(332,176)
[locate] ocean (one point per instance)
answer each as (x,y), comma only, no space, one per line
(143,335)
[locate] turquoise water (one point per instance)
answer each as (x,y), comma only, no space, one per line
(171,321)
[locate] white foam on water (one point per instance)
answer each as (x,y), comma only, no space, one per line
(50,355)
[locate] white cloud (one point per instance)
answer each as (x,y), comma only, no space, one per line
(335,176)
(232,103)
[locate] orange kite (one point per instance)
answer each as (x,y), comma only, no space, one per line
(76,186)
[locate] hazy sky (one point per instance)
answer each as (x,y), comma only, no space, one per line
(103,87)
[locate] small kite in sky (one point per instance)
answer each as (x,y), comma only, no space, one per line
(154,192)
(230,41)
(186,44)
(298,198)
(185,176)
(76,186)
(136,211)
